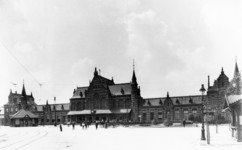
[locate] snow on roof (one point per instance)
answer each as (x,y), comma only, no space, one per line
(22,113)
(180,100)
(233,98)
(78,91)
(116,89)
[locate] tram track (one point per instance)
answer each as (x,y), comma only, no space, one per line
(16,136)
(14,143)
(32,140)
(9,135)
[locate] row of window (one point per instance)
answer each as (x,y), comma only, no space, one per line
(11,110)
(177,115)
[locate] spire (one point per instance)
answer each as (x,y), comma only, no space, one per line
(236,70)
(31,94)
(134,76)
(222,72)
(23,91)
(167,94)
(95,72)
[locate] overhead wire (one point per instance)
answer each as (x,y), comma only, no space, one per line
(20,63)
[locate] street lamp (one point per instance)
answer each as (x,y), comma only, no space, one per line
(203,131)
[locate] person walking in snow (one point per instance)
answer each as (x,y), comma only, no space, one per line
(60,127)
(184,123)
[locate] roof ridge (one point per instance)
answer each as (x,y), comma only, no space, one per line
(104,77)
(17,113)
(82,87)
(119,84)
(173,97)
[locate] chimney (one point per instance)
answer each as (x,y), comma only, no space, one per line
(15,92)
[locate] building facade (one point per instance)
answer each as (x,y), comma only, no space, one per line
(105,100)
(21,110)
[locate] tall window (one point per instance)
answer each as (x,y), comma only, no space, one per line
(96,100)
(151,116)
(144,116)
(177,114)
(160,116)
(186,114)
(128,102)
(79,105)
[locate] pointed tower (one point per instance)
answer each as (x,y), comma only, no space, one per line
(134,97)
(23,98)
(236,70)
(23,91)
(237,80)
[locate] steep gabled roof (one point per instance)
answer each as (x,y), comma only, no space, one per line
(117,89)
(22,113)
(77,94)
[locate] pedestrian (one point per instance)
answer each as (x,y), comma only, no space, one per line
(60,127)
(96,123)
(83,125)
(73,125)
(184,123)
(86,125)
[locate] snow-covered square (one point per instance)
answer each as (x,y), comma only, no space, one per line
(118,138)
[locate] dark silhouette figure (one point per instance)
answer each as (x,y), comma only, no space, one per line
(184,123)
(73,125)
(96,123)
(60,127)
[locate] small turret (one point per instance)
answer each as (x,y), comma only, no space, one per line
(167,94)
(95,72)
(222,72)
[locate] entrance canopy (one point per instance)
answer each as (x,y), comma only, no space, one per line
(99,111)
(23,114)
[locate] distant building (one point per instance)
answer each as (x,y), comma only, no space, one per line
(2,116)
(216,95)
(21,110)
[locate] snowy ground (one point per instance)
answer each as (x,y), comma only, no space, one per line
(142,138)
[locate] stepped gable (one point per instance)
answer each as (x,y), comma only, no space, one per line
(183,100)
(116,89)
(78,90)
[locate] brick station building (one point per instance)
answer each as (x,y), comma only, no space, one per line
(103,99)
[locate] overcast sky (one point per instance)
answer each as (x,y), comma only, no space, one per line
(175,44)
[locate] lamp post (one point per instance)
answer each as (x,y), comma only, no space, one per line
(203,131)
